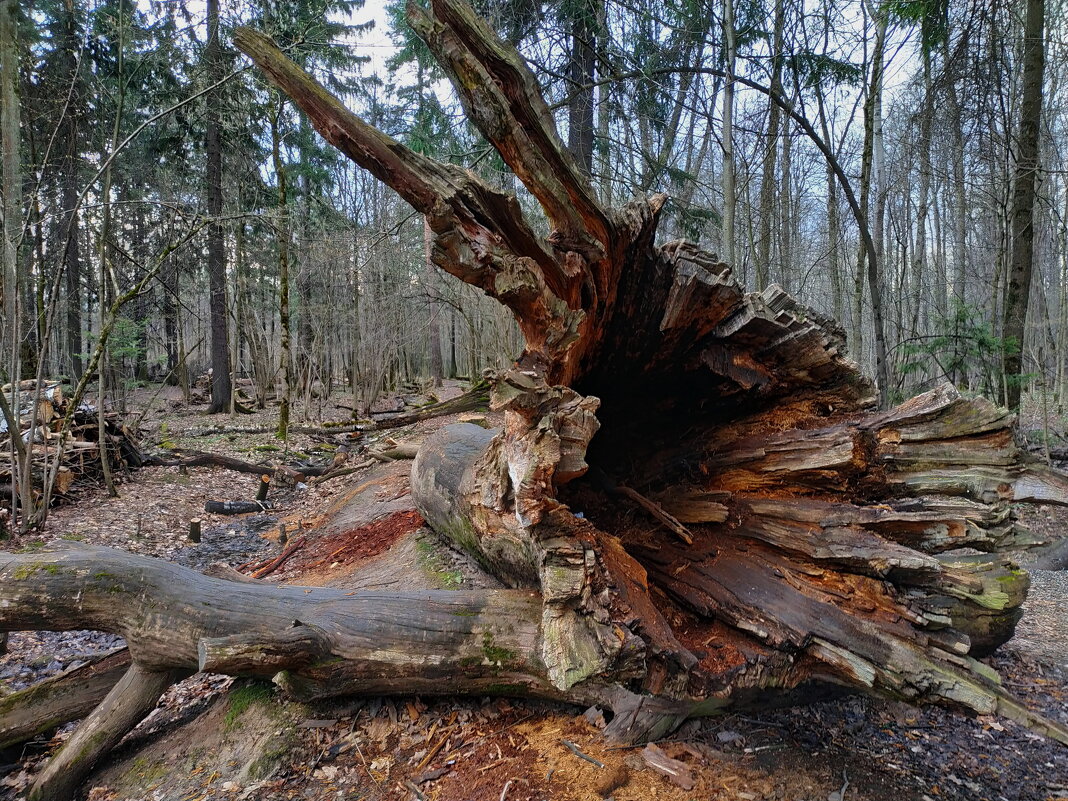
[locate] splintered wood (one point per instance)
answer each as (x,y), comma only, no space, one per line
(40,411)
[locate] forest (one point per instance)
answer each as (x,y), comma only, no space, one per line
(702,356)
(143,156)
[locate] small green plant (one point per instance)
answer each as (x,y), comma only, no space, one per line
(964,344)
(244,697)
(432,563)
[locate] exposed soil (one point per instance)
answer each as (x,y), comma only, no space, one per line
(212,738)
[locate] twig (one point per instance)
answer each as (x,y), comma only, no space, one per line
(574,749)
(363,759)
(657,511)
(277,563)
(840,795)
(504,792)
(322,562)
(433,752)
(344,471)
(418,793)
(486,736)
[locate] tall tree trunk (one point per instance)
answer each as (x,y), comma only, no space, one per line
(72,262)
(285,367)
(1062,307)
(920,265)
(221,387)
(730,192)
(582,68)
(869,262)
(1018,285)
(433,307)
(769,179)
(788,219)
(306,344)
(10,111)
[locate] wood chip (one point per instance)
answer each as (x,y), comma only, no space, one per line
(677,772)
(318,723)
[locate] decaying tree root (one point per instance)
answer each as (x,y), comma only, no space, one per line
(827,537)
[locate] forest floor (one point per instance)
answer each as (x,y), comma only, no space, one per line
(214,738)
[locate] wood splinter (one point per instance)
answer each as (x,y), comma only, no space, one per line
(272,566)
(657,511)
(574,749)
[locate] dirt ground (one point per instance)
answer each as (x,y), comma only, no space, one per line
(214,738)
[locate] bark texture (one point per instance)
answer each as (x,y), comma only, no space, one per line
(1021,266)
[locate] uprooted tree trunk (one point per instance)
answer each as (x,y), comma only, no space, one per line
(748,521)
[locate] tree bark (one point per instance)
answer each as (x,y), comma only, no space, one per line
(730,200)
(221,388)
(11,171)
(1018,288)
(769,177)
(285,367)
(581,69)
(69,696)
(72,262)
(437,370)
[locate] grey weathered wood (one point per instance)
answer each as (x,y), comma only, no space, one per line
(60,699)
(236,507)
(427,641)
(133,697)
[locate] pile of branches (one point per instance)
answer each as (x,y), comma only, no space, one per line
(47,426)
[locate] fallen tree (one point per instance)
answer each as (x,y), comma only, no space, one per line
(751,522)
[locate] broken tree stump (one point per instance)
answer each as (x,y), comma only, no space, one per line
(827,548)
(827,535)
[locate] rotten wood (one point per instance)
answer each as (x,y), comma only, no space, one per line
(657,511)
(133,697)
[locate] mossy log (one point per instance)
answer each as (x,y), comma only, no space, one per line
(60,699)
